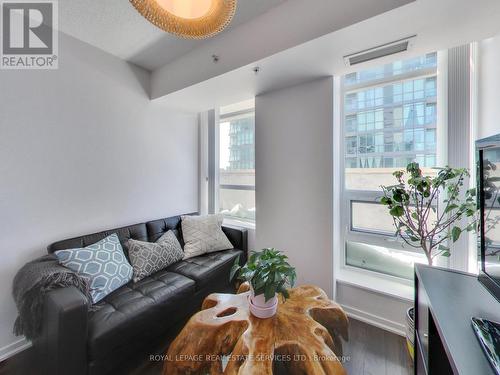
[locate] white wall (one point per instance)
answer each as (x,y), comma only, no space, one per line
(294,177)
(84,149)
(381,310)
(489,87)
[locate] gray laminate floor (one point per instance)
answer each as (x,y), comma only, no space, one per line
(373,351)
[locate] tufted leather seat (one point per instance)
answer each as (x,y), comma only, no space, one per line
(205,268)
(136,310)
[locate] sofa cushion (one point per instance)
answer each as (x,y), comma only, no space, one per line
(150,257)
(205,268)
(138,310)
(103,263)
(203,234)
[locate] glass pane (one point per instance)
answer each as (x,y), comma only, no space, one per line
(239,204)
(491,194)
(392,262)
(237,166)
(430,114)
(369,173)
(374,217)
(351,145)
(351,123)
(393,69)
(430,87)
(371,217)
(389,125)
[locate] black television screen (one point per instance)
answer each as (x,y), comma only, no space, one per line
(489,199)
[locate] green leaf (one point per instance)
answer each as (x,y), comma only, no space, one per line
(259,283)
(284,291)
(443,248)
(397,211)
(455,233)
(451,207)
(385,200)
(235,268)
(445,254)
(269,291)
(471,227)
(413,168)
(398,174)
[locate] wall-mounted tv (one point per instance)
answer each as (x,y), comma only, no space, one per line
(488,179)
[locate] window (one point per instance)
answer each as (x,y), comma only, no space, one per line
(389,120)
(236,193)
(382,259)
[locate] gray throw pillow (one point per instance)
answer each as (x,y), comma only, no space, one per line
(203,234)
(150,257)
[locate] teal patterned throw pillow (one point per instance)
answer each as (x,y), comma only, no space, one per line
(103,263)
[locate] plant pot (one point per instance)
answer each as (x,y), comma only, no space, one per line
(410,331)
(260,308)
(262,312)
(260,300)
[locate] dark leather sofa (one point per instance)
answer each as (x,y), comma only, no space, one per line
(128,324)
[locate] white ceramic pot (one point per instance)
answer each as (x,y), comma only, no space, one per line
(260,308)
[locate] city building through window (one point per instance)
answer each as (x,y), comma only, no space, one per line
(236,194)
(389,120)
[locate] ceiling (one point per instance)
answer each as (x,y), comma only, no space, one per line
(274,35)
(439,25)
(283,27)
(116,27)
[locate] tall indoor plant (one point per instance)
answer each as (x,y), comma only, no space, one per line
(415,196)
(268,273)
(413,199)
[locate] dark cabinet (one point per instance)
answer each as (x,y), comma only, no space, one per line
(445,302)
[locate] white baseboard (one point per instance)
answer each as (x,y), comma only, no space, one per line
(374,320)
(11,349)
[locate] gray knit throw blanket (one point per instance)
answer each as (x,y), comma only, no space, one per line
(30,285)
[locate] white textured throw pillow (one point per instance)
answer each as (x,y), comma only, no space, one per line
(203,234)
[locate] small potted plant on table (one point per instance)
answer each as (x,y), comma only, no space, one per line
(412,201)
(269,274)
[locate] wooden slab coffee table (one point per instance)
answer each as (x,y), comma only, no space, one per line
(302,338)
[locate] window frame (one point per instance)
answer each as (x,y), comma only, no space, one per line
(221,118)
(349,196)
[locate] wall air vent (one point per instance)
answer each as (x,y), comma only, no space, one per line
(387,49)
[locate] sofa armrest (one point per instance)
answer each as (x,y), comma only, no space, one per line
(63,341)
(239,238)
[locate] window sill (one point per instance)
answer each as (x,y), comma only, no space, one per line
(240,223)
(386,285)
